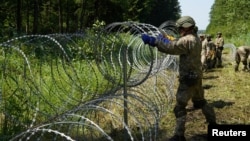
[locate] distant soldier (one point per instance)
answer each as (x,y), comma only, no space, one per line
(203,52)
(211,52)
(242,55)
(219,42)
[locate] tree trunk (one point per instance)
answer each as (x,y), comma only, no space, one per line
(35,16)
(60,16)
(19,16)
(27,17)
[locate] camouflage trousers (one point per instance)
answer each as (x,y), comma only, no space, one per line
(204,62)
(219,56)
(211,59)
(196,94)
(211,63)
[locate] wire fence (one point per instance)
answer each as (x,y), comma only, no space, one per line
(100,85)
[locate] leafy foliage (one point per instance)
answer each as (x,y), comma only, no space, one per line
(229,17)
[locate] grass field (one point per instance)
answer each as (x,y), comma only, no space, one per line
(227,91)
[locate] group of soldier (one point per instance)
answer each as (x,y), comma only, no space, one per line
(211,53)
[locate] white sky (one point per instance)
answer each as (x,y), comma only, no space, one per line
(198,9)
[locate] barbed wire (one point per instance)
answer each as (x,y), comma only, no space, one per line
(103,84)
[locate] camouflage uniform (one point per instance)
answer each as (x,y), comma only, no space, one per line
(188,47)
(242,55)
(219,42)
(211,53)
(203,52)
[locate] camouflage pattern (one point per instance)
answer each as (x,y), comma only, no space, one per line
(188,48)
(185,21)
(203,52)
(242,55)
(219,42)
(211,53)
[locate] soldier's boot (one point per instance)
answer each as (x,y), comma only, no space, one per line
(204,67)
(236,67)
(245,65)
(219,63)
(207,110)
(179,129)
(213,63)
(209,64)
(209,114)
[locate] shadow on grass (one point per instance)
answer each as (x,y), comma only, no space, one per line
(215,69)
(210,77)
(198,137)
(217,104)
(206,86)
(221,104)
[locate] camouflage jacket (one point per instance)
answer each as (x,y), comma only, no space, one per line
(219,42)
(211,50)
(188,48)
(204,47)
(243,51)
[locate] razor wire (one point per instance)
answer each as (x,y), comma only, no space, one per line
(232,48)
(96,85)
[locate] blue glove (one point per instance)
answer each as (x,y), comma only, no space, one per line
(148,39)
(163,39)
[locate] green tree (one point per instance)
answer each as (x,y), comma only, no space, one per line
(50,16)
(164,10)
(226,15)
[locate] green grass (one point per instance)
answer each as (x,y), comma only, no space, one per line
(227,91)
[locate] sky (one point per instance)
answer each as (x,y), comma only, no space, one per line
(198,9)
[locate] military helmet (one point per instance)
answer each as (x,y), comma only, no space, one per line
(185,21)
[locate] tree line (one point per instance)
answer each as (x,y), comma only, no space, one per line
(65,16)
(230,17)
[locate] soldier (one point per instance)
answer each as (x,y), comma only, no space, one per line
(211,52)
(219,42)
(188,47)
(203,52)
(242,55)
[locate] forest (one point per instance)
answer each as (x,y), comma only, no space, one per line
(64,79)
(67,16)
(230,17)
